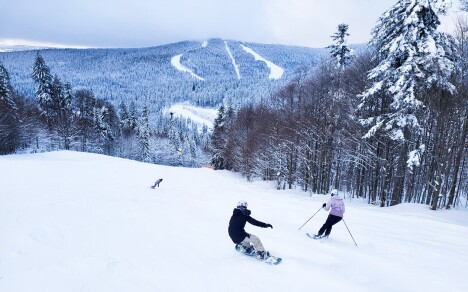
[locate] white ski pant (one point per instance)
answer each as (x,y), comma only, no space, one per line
(255,241)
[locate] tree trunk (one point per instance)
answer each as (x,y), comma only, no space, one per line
(461,150)
(398,188)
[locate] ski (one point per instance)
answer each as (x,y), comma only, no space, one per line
(313,236)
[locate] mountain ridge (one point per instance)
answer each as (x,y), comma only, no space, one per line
(117,74)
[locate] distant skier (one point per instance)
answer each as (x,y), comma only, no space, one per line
(336,213)
(240,216)
(156,184)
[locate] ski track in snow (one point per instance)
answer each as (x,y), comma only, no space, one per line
(276,72)
(236,67)
(175,61)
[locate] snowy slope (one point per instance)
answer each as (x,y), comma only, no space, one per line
(198,115)
(175,61)
(83,222)
(276,72)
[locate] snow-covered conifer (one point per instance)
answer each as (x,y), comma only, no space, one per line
(412,55)
(41,75)
(218,139)
(9,134)
(144,136)
(340,51)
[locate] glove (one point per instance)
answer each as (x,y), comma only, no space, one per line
(269,225)
(324,205)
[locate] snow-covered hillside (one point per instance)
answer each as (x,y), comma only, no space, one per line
(206,72)
(198,115)
(82,222)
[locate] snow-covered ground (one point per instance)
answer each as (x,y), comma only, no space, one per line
(198,115)
(276,72)
(83,222)
(175,61)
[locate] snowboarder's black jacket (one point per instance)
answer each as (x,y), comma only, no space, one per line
(240,216)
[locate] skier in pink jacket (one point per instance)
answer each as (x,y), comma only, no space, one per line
(336,213)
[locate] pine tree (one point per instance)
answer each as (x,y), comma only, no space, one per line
(132,119)
(144,135)
(412,57)
(44,94)
(340,51)
(218,139)
(64,120)
(41,75)
(67,97)
(9,133)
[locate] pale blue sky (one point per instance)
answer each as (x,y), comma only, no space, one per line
(142,23)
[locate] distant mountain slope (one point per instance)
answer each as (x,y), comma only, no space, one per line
(149,74)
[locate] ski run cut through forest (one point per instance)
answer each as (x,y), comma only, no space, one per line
(73,221)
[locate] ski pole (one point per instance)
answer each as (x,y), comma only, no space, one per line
(310,218)
(349,232)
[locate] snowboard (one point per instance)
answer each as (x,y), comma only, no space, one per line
(272,260)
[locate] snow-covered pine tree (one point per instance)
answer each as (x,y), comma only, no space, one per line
(9,134)
(144,136)
(133,116)
(64,122)
(68,96)
(464,5)
(218,140)
(41,75)
(340,50)
(412,56)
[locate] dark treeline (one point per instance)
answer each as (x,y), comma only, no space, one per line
(62,119)
(380,125)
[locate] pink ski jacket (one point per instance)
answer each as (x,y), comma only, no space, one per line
(337,206)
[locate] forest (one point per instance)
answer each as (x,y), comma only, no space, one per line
(387,124)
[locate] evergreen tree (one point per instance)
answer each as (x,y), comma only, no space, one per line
(133,117)
(126,122)
(412,56)
(144,135)
(103,115)
(9,133)
(41,75)
(340,51)
(64,124)
(67,97)
(218,140)
(85,104)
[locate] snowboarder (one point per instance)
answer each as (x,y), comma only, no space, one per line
(156,184)
(336,213)
(240,216)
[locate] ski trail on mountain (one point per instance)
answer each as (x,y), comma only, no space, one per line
(175,61)
(276,72)
(198,115)
(236,67)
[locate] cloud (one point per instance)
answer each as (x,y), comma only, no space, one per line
(139,23)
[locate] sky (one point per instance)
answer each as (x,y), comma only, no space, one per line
(143,23)
(78,225)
